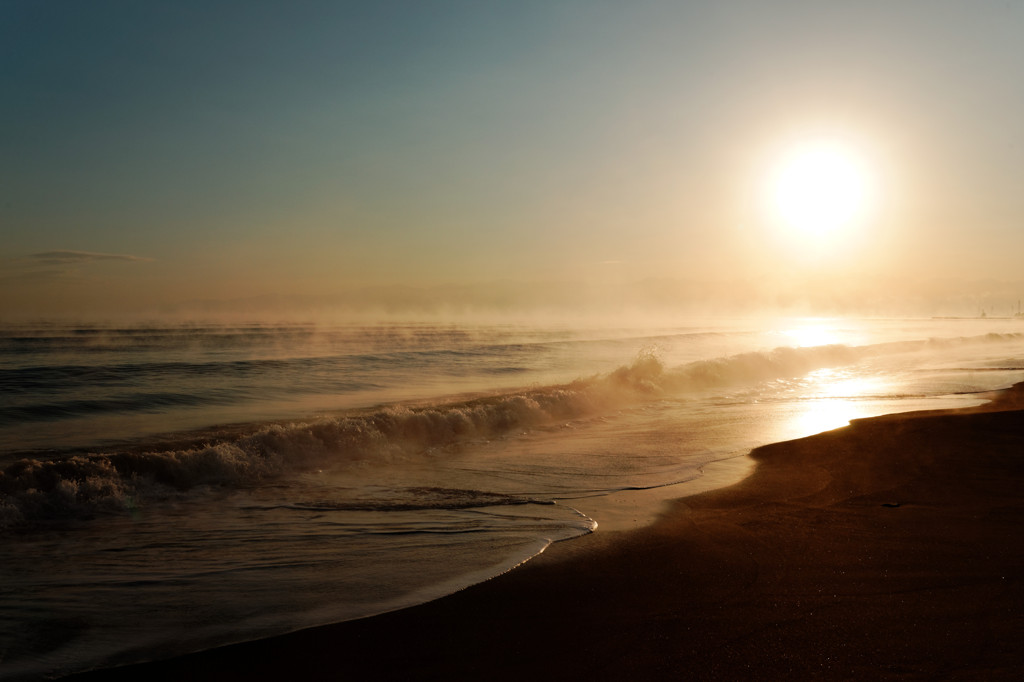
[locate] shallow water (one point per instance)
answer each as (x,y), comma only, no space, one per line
(171,488)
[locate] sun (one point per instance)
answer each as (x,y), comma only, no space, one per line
(820,186)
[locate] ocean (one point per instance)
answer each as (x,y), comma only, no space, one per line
(166,488)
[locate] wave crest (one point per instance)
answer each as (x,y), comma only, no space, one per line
(84,485)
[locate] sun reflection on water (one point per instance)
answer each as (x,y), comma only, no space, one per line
(829,398)
(824,414)
(812,335)
(843,383)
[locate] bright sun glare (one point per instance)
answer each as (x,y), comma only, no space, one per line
(818,187)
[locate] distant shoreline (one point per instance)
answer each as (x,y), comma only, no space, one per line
(983,317)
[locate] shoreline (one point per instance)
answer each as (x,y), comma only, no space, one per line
(886,549)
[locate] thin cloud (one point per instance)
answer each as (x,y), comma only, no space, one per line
(68,257)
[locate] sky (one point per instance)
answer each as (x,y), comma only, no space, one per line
(168,156)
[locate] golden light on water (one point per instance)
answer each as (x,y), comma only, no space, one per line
(832,398)
(835,383)
(812,335)
(825,414)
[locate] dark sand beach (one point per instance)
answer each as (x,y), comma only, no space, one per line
(889,549)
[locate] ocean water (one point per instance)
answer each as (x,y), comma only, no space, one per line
(169,488)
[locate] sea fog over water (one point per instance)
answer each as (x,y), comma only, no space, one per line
(167,488)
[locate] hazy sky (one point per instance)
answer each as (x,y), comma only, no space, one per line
(157,152)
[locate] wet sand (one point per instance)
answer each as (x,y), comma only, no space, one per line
(890,549)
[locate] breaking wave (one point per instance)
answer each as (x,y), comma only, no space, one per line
(82,485)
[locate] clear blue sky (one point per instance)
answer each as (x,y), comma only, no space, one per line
(154,152)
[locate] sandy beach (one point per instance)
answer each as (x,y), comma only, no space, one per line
(889,549)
